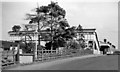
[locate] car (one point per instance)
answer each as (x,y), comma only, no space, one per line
(116,53)
(109,53)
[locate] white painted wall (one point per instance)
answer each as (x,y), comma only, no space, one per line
(26,59)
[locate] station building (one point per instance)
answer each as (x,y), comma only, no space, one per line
(90,37)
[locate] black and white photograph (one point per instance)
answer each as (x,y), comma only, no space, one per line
(59,35)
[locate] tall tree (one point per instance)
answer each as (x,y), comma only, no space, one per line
(51,17)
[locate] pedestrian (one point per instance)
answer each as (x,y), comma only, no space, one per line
(16,49)
(11,47)
(16,53)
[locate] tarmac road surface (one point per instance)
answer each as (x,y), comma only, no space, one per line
(90,62)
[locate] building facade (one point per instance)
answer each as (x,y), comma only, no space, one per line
(90,37)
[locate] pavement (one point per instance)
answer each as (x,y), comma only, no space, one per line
(73,63)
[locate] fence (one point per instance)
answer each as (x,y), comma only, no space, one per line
(54,54)
(8,58)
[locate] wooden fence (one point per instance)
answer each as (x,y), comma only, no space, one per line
(54,54)
(8,58)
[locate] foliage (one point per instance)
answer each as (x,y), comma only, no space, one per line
(48,45)
(27,47)
(79,27)
(105,40)
(60,37)
(52,17)
(59,42)
(113,46)
(82,42)
(109,43)
(16,28)
(47,15)
(76,44)
(73,45)
(39,47)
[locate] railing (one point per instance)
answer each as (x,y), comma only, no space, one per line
(8,58)
(54,54)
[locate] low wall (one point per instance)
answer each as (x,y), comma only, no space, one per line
(25,58)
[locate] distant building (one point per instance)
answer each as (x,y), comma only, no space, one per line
(6,44)
(106,48)
(91,39)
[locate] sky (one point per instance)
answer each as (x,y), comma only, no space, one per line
(99,14)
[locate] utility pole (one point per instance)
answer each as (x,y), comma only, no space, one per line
(38,22)
(51,29)
(38,35)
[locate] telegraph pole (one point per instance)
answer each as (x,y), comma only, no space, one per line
(38,34)
(51,31)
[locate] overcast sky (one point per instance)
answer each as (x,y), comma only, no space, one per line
(99,14)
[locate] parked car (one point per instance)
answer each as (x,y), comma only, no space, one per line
(108,53)
(114,53)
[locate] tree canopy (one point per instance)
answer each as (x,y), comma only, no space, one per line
(16,28)
(52,19)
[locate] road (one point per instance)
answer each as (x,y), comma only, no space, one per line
(76,63)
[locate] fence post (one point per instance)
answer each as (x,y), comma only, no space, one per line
(42,55)
(13,56)
(17,55)
(50,53)
(45,53)
(1,50)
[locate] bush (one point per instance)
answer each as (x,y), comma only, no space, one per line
(27,47)
(73,45)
